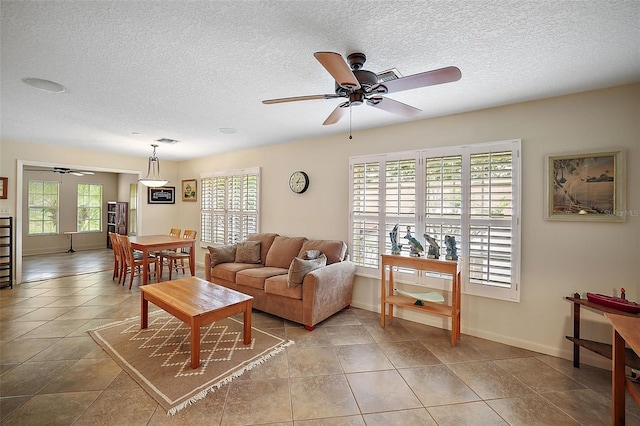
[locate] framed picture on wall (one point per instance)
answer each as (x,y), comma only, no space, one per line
(586,186)
(4,183)
(162,195)
(189,190)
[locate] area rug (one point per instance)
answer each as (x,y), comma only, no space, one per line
(159,357)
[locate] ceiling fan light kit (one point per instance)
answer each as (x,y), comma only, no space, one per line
(360,86)
(153,179)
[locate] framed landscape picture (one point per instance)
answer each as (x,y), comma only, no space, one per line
(585,186)
(189,190)
(162,195)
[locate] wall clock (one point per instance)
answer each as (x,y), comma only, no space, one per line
(299,182)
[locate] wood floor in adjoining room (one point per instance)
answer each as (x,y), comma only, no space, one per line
(348,371)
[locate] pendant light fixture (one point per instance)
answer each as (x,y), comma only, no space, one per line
(153,178)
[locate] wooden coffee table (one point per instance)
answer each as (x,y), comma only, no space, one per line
(196,302)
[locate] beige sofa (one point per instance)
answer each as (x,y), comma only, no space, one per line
(270,276)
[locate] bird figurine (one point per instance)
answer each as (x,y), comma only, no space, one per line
(452,250)
(393,235)
(434,248)
(416,247)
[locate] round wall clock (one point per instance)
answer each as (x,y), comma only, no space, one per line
(299,182)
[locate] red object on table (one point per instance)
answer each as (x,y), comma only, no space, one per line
(614,302)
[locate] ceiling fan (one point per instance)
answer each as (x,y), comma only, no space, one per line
(358,85)
(61,170)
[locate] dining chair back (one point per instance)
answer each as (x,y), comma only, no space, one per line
(118,260)
(179,255)
(175,232)
(134,262)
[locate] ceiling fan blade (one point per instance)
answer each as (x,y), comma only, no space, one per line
(336,114)
(392,106)
(299,98)
(338,68)
(424,79)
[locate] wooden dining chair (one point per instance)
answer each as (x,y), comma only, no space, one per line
(134,263)
(179,255)
(118,260)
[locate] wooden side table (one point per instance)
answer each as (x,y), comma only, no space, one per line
(388,297)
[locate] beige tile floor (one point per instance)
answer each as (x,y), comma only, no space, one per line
(349,371)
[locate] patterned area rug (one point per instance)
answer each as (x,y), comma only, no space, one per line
(159,357)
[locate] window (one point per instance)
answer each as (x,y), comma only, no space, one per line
(43,207)
(470,192)
(133,209)
(230,206)
(89,216)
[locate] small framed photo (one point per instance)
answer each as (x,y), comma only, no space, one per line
(189,190)
(4,187)
(586,186)
(162,195)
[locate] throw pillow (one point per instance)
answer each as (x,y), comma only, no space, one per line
(222,254)
(301,267)
(312,254)
(248,252)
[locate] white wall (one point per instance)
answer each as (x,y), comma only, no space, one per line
(558,258)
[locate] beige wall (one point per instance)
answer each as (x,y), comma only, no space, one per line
(558,258)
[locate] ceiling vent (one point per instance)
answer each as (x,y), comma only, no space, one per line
(392,74)
(167,141)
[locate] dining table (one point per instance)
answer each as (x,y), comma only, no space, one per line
(153,243)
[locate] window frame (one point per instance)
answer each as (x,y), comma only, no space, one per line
(99,221)
(43,208)
(225,221)
(420,220)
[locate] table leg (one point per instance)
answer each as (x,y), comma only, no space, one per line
(145,266)
(383,291)
(192,259)
(195,343)
(144,311)
(247,322)
(618,379)
(71,250)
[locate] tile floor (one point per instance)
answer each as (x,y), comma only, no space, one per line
(349,371)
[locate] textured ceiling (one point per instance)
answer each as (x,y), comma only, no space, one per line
(186,69)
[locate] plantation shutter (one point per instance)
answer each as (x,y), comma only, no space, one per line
(400,199)
(230,206)
(490,221)
(443,198)
(365,209)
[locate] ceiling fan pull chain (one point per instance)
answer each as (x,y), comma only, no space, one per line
(350,137)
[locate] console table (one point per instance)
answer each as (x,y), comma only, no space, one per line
(421,264)
(604,349)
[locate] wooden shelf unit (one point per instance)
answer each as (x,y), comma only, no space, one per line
(117,218)
(6,252)
(388,297)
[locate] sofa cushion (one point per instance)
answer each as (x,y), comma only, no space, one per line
(255,277)
(265,244)
(248,252)
(278,285)
(283,250)
(301,267)
(222,254)
(335,250)
(227,271)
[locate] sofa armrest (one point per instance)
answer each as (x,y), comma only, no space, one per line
(327,290)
